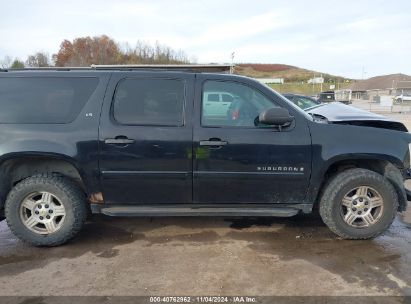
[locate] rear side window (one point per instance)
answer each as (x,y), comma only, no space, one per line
(157,102)
(213,97)
(44,99)
(227,98)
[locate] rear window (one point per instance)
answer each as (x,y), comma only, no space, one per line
(44,99)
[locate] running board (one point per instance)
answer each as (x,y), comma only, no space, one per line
(197,211)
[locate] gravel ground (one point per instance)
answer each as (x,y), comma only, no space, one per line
(209,256)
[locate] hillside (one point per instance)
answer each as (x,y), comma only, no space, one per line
(383,82)
(288,72)
(295,78)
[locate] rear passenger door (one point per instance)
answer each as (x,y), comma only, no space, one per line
(146,138)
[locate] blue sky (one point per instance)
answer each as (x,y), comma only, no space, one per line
(338,37)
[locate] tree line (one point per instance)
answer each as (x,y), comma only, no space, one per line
(85,51)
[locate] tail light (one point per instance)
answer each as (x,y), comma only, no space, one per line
(235,115)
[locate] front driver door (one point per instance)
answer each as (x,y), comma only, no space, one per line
(239,162)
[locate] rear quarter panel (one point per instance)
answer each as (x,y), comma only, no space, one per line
(75,142)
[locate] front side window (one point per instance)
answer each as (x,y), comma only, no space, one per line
(240,105)
(157,102)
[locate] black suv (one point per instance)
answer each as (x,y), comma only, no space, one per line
(129,142)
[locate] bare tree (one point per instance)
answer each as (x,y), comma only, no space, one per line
(6,62)
(40,59)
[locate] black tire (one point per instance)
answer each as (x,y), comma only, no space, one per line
(334,192)
(70,196)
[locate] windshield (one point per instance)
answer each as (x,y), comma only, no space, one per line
(304,102)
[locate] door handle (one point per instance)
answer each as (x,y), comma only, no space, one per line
(213,142)
(119,140)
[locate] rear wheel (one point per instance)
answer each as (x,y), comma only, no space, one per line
(358,204)
(45,210)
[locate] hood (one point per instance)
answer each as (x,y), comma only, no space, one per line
(339,113)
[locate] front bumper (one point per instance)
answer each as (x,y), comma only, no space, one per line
(407,175)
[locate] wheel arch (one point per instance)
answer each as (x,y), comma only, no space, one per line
(389,167)
(18,166)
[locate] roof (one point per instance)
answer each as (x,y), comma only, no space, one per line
(404,84)
(177,67)
(384,82)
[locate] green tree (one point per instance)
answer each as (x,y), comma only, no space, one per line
(17,64)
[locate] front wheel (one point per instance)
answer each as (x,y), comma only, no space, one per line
(45,210)
(358,204)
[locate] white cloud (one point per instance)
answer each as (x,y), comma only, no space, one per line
(242,28)
(361,25)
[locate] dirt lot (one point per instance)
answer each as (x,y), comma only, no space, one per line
(209,256)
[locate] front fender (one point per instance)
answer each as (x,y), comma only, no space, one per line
(336,143)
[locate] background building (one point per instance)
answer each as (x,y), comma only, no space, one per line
(394,84)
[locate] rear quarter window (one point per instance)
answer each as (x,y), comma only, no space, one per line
(44,99)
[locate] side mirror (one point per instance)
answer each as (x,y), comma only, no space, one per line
(276,117)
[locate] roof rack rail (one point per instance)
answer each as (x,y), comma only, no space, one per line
(191,67)
(46,69)
(222,68)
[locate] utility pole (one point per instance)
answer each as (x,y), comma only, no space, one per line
(313,82)
(232,63)
(363,73)
(321,81)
